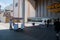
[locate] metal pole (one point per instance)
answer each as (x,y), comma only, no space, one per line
(23,14)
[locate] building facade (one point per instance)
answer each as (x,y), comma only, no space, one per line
(43,11)
(34,8)
(29,10)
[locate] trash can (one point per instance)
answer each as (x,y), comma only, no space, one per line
(15,26)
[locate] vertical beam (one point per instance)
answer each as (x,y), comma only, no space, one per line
(26,10)
(36,7)
(46,9)
(41,8)
(23,14)
(49,2)
(18,8)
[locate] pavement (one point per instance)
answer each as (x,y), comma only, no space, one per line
(40,32)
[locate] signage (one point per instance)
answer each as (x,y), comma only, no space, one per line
(55,7)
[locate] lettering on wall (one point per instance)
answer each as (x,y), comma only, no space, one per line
(55,7)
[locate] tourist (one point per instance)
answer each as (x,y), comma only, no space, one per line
(48,22)
(57,27)
(11,24)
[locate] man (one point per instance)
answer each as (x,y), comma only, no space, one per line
(11,24)
(11,21)
(57,27)
(48,22)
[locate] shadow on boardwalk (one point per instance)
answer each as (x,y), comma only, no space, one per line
(30,33)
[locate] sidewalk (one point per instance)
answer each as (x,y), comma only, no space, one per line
(29,33)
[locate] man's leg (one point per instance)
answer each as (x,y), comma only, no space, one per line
(57,35)
(10,27)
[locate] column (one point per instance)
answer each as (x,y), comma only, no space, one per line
(36,7)
(23,14)
(26,10)
(18,8)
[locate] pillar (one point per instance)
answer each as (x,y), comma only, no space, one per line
(23,14)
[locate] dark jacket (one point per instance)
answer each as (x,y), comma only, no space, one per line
(57,26)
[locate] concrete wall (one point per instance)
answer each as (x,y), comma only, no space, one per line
(29,9)
(15,8)
(32,8)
